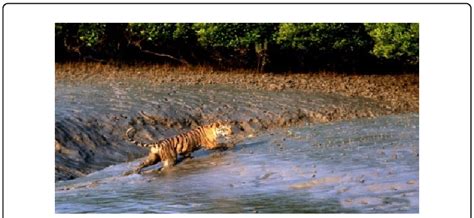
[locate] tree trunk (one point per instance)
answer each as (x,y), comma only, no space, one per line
(182,61)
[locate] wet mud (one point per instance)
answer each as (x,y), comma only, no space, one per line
(367,165)
(398,93)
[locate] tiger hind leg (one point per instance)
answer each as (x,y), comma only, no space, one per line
(188,155)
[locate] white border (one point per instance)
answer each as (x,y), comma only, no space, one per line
(29,89)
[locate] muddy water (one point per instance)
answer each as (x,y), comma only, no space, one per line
(358,166)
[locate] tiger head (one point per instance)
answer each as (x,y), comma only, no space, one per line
(223,129)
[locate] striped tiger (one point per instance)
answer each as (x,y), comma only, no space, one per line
(167,150)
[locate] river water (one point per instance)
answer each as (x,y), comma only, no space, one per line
(365,165)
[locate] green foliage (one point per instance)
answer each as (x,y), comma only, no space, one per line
(80,39)
(395,41)
(326,45)
(233,35)
(323,37)
(250,41)
(152,32)
(163,35)
(91,34)
(185,32)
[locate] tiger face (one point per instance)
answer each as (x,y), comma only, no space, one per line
(223,130)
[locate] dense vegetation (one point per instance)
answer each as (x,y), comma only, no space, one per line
(347,47)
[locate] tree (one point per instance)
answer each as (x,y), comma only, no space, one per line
(240,37)
(79,39)
(156,36)
(395,41)
(325,45)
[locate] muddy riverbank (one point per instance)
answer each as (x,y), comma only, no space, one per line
(95,104)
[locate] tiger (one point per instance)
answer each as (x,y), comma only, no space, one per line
(167,150)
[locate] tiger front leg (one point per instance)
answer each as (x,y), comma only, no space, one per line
(152,159)
(168,164)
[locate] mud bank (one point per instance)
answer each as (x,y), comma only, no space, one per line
(91,118)
(397,93)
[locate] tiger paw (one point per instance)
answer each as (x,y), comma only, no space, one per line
(127,173)
(130,172)
(158,171)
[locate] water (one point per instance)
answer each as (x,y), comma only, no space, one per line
(357,166)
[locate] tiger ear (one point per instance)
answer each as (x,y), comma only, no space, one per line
(226,123)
